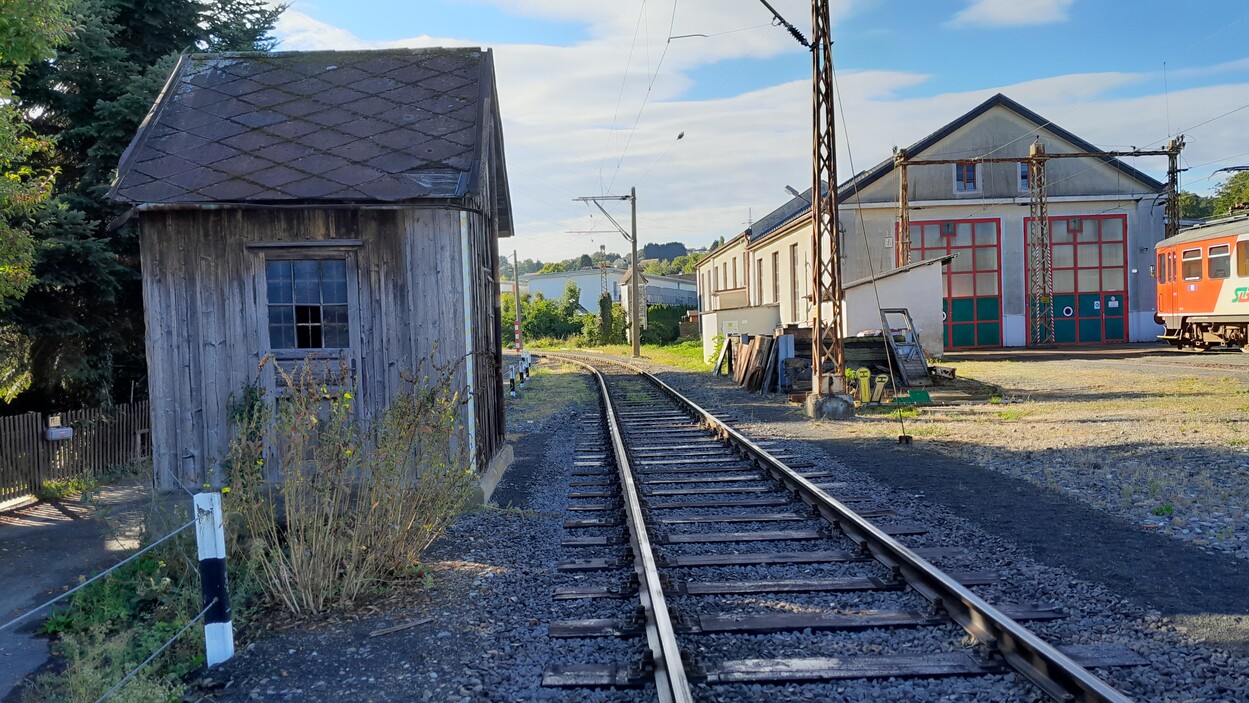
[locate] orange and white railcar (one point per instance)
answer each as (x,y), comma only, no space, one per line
(1203,285)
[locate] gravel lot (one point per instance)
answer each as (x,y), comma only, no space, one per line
(1159,438)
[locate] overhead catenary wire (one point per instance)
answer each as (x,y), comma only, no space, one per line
(645,98)
(871,268)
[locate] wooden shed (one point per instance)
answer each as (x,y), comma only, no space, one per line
(340,204)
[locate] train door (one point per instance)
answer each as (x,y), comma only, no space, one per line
(1089,256)
(1164,279)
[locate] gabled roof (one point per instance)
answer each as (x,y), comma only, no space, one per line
(801,205)
(869,177)
(347,127)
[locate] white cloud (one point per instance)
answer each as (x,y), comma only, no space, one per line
(1011,13)
(565,134)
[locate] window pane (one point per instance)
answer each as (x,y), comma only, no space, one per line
(1064,256)
(1220,266)
(961,262)
(1087,255)
(1112,230)
(278,280)
(986,233)
(1242,259)
(307,282)
(1088,231)
(1161,271)
(1065,281)
(1112,255)
(281,337)
(1112,279)
(986,284)
(1058,232)
(962,285)
(1089,280)
(986,258)
(335,326)
(962,234)
(1191,270)
(307,314)
(932,236)
(334,281)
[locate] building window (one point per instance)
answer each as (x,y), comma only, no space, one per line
(793,281)
(307,303)
(734,271)
(1219,264)
(1190,264)
(1023,177)
(759,281)
(965,177)
(776,277)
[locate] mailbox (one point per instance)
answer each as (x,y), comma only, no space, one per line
(58,434)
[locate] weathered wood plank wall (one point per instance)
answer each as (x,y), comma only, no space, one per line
(207,329)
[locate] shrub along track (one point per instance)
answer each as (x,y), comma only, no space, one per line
(716,568)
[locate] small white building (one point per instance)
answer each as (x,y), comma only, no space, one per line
(589,282)
(681,290)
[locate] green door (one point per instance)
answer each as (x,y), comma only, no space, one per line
(1114,314)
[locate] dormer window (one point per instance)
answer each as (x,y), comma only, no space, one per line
(965,178)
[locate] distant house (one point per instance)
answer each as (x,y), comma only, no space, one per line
(680,290)
(1105,217)
(589,282)
(345,205)
(506,287)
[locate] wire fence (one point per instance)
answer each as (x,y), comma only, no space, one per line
(210,540)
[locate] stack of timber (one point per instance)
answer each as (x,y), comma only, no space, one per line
(754,363)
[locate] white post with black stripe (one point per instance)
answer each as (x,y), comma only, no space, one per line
(211,538)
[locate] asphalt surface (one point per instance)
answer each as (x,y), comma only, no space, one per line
(45,548)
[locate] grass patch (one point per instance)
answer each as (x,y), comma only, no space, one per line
(901,411)
(551,387)
(1011,415)
(683,355)
(60,489)
(109,627)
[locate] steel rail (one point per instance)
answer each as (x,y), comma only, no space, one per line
(1044,665)
(671,681)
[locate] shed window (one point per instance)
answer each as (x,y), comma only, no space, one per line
(1219,264)
(1190,266)
(307,303)
(1242,259)
(965,177)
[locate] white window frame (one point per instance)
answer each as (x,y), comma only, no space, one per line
(1185,258)
(1025,177)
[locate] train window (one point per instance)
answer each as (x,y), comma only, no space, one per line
(1242,259)
(1190,264)
(1162,268)
(1219,264)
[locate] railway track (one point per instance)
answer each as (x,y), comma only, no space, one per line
(713,561)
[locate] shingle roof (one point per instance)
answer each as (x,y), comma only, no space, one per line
(358,126)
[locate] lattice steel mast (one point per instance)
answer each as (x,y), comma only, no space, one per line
(827,371)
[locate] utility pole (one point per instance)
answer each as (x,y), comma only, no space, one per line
(631,235)
(516,292)
(1173,186)
(1041,254)
(904,212)
(828,356)
(602,271)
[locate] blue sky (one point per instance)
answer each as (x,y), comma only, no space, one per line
(588,106)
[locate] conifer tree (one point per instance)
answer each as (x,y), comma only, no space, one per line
(80,325)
